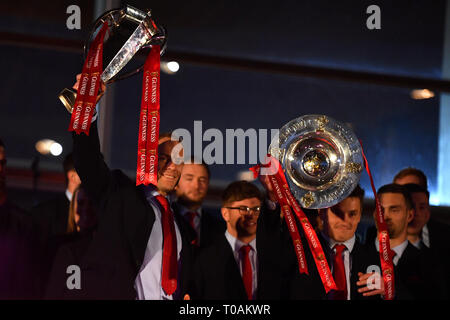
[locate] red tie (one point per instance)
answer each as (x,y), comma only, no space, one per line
(191,216)
(247,273)
(169,260)
(339,273)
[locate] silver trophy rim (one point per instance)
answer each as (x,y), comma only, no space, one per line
(348,170)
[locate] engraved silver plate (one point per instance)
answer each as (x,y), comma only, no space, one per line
(321,158)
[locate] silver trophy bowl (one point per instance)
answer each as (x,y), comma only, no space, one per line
(130,30)
(321,158)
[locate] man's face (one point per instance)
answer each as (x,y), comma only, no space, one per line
(241,224)
(193,184)
(421,213)
(73,178)
(2,168)
(343,219)
(408,179)
(396,213)
(168,172)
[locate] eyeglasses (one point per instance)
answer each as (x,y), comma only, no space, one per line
(243,210)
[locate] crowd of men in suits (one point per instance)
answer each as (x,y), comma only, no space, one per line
(158,242)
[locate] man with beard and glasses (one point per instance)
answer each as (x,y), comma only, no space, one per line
(244,262)
(191,192)
(417,275)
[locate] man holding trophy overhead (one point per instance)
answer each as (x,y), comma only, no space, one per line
(140,250)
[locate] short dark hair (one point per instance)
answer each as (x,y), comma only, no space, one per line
(240,190)
(1,143)
(415,188)
(397,188)
(68,165)
(413,172)
(358,192)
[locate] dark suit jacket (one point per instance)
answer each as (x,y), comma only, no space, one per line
(440,246)
(418,276)
(50,222)
(310,287)
(18,255)
(70,252)
(210,227)
(217,275)
(114,258)
(51,216)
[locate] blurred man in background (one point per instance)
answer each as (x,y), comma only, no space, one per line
(191,192)
(51,216)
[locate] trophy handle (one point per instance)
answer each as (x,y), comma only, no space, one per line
(69,95)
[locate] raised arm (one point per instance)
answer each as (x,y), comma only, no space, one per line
(89,163)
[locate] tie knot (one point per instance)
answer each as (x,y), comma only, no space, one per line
(191,215)
(340,248)
(245,249)
(392,253)
(163,202)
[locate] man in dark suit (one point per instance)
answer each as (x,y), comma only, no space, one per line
(191,191)
(417,275)
(405,176)
(244,262)
(139,251)
(50,219)
(344,252)
(51,216)
(424,232)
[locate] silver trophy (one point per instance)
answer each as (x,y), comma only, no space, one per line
(322,160)
(130,30)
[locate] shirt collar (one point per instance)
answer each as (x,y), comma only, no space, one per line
(349,244)
(397,249)
(237,244)
(151,192)
(69,195)
(426,236)
(183,210)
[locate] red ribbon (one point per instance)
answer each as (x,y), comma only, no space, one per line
(290,221)
(287,201)
(147,156)
(387,266)
(89,85)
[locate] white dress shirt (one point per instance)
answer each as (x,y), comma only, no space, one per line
(197,219)
(426,236)
(69,195)
(236,246)
(397,249)
(148,280)
(349,244)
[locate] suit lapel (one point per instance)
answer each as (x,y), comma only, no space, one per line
(141,234)
(233,281)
